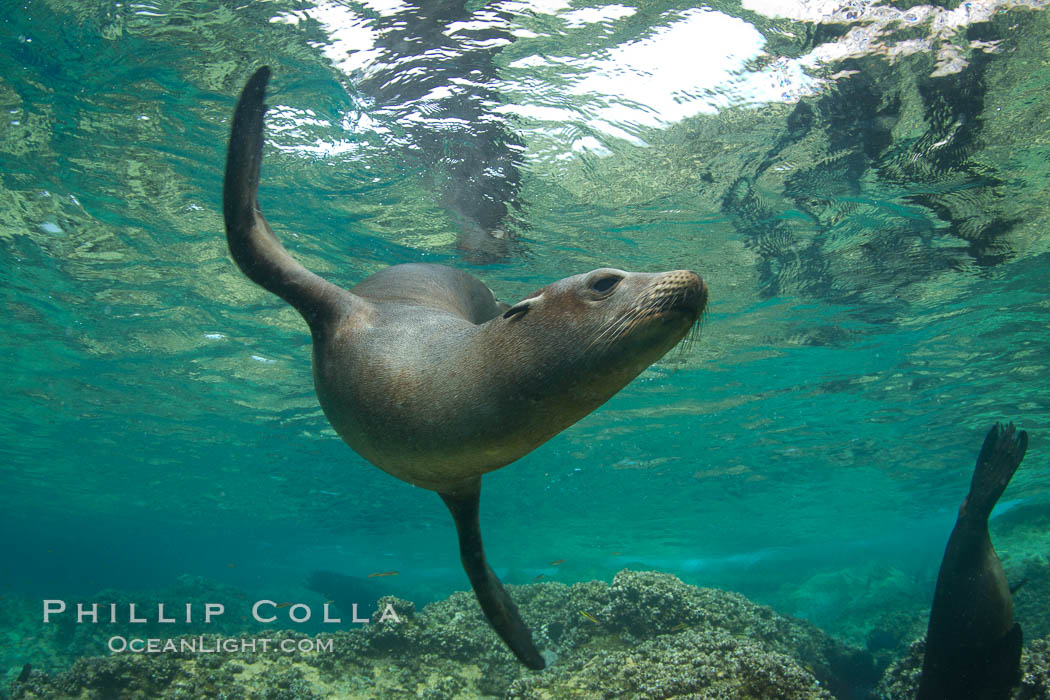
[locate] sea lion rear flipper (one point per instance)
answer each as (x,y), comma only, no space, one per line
(254,247)
(500,610)
(1000,456)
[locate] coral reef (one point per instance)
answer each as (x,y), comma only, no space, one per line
(647,635)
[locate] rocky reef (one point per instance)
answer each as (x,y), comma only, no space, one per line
(645,635)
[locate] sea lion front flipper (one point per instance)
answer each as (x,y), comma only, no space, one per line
(254,247)
(500,610)
(1001,454)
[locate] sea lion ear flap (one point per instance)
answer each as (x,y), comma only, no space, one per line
(522,307)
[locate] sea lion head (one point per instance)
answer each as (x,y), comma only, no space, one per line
(616,314)
(598,330)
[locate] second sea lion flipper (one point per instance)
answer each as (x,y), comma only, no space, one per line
(254,247)
(500,610)
(1004,448)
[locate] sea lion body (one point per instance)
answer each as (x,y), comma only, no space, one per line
(430,383)
(427,376)
(973,645)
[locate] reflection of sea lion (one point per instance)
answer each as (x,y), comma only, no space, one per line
(435,72)
(973,645)
(421,371)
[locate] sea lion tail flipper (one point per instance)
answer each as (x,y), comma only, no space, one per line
(254,247)
(500,610)
(1001,454)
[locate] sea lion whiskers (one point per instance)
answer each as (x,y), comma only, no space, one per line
(692,337)
(616,326)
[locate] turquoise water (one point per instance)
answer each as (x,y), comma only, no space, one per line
(874,240)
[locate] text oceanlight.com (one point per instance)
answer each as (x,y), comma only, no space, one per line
(213,645)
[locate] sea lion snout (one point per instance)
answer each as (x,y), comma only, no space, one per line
(683,288)
(681,291)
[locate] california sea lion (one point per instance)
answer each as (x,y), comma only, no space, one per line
(973,645)
(422,372)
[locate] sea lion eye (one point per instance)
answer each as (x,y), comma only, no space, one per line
(605,284)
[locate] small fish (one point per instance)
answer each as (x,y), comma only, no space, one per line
(557,561)
(679,627)
(380,574)
(283,605)
(616,554)
(590,617)
(231,566)
(329,602)
(537,578)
